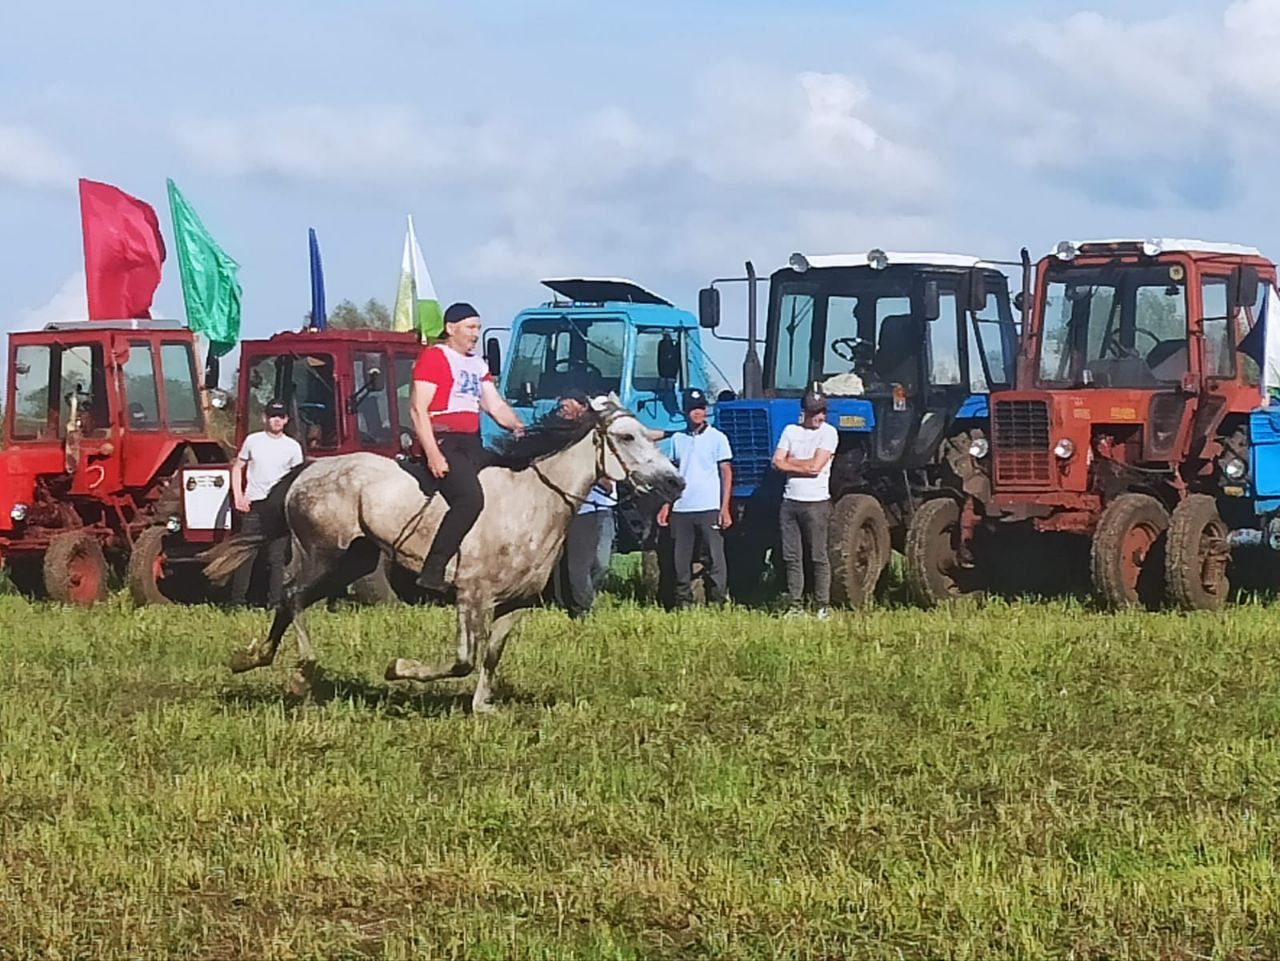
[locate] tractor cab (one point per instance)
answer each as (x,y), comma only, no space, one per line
(345,390)
(600,335)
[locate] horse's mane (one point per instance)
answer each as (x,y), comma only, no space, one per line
(549,435)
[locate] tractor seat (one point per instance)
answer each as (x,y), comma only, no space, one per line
(1168,360)
(895,360)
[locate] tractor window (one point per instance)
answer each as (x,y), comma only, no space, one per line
(83,374)
(304,382)
(554,354)
(30,400)
(181,404)
(944,344)
(1219,352)
(645,373)
(1114,326)
(404,384)
(842,329)
(791,357)
(991,338)
(373,413)
(142,402)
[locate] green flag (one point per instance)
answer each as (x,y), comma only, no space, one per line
(209,285)
(417,306)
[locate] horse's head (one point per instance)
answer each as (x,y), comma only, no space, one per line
(627,453)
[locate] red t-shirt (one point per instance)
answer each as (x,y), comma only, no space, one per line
(455,407)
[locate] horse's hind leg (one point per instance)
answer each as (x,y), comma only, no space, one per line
(502,627)
(472,624)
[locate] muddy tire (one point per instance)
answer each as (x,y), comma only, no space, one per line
(75,569)
(375,588)
(858,547)
(1127,555)
(933,572)
(145,572)
(1196,557)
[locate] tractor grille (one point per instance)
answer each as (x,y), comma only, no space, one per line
(748,431)
(1021,450)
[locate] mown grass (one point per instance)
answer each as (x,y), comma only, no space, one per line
(988,781)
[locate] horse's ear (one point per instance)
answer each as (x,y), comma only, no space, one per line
(601,403)
(613,399)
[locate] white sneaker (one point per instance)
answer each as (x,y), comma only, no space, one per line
(793,613)
(822,614)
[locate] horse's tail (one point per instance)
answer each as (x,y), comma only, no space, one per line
(222,560)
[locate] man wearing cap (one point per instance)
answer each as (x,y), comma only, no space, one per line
(702,455)
(804,455)
(265,458)
(588,545)
(451,385)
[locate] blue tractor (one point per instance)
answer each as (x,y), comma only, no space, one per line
(907,348)
(602,335)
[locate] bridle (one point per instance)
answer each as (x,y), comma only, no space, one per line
(604,443)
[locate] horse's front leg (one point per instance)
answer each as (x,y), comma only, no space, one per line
(502,627)
(471,623)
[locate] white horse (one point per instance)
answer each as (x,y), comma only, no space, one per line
(345,512)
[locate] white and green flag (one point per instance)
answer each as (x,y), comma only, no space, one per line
(417,307)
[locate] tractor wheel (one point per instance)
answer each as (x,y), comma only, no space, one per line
(1196,558)
(933,572)
(375,588)
(858,547)
(1127,556)
(146,572)
(75,569)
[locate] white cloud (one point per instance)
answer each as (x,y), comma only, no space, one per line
(29,159)
(69,302)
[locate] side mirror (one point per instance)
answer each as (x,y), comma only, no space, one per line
(1246,282)
(977,290)
(929,305)
(373,380)
(668,358)
(709,308)
(1019,303)
(493,357)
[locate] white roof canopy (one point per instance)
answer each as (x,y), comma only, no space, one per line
(1173,245)
(897,258)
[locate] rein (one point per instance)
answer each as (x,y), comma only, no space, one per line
(572,501)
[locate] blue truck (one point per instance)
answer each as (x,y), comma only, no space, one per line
(602,335)
(907,347)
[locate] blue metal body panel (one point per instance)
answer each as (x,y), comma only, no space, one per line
(1264,457)
(974,408)
(654,408)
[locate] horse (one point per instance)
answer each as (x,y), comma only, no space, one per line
(345,513)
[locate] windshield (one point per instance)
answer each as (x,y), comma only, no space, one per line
(553,354)
(828,323)
(305,383)
(46,379)
(1114,326)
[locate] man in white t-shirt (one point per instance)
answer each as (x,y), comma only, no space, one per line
(804,454)
(264,459)
(702,455)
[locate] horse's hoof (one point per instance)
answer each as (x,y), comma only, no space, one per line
(299,686)
(392,673)
(484,707)
(242,661)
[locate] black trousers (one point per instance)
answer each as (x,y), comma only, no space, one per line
(461,490)
(268,562)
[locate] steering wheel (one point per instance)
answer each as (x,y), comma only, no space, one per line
(308,412)
(1121,352)
(846,348)
(561,366)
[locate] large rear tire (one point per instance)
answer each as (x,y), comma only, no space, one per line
(1127,555)
(1197,555)
(75,569)
(858,547)
(933,571)
(145,572)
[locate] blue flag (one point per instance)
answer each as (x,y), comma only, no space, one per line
(1254,343)
(318,317)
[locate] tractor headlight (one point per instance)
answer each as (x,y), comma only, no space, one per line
(1152,248)
(219,399)
(877,259)
(798,262)
(1232,467)
(1065,250)
(979,448)
(1064,448)
(18,513)
(173,524)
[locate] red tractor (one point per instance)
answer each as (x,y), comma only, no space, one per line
(99,418)
(347,390)
(1130,386)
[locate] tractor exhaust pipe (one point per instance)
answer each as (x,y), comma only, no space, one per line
(752,375)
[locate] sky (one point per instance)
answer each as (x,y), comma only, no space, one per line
(667,142)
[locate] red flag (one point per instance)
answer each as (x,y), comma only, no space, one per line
(123,251)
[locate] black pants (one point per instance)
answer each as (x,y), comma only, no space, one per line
(461,490)
(268,562)
(686,529)
(587,549)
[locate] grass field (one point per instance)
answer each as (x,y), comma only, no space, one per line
(990,781)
